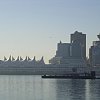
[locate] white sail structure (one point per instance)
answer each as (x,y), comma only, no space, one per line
(41,61)
(34,59)
(17,58)
(9,58)
(5,59)
(13,59)
(28,59)
(21,59)
(12,62)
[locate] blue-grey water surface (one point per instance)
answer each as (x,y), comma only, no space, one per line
(35,88)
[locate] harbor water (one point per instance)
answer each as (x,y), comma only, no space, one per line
(31,87)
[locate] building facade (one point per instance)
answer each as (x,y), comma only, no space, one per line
(80,39)
(70,53)
(63,50)
(94,53)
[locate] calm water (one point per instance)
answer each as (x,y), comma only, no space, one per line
(35,88)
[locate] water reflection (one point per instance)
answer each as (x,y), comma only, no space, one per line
(71,89)
(35,88)
(93,89)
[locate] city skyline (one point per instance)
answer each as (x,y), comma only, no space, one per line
(34,27)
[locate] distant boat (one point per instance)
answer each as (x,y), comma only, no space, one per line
(73,76)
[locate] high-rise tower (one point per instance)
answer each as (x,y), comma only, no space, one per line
(94,53)
(79,38)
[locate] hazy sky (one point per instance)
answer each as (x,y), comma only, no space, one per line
(34,27)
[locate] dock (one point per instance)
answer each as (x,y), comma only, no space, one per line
(73,76)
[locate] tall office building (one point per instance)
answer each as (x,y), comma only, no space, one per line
(75,50)
(94,53)
(63,50)
(71,54)
(80,39)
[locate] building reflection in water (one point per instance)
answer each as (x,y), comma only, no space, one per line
(92,89)
(36,88)
(71,89)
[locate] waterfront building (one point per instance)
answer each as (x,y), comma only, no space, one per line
(76,50)
(63,50)
(94,53)
(71,54)
(68,60)
(80,39)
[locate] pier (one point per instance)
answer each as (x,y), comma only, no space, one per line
(73,76)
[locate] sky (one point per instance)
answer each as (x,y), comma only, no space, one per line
(34,27)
